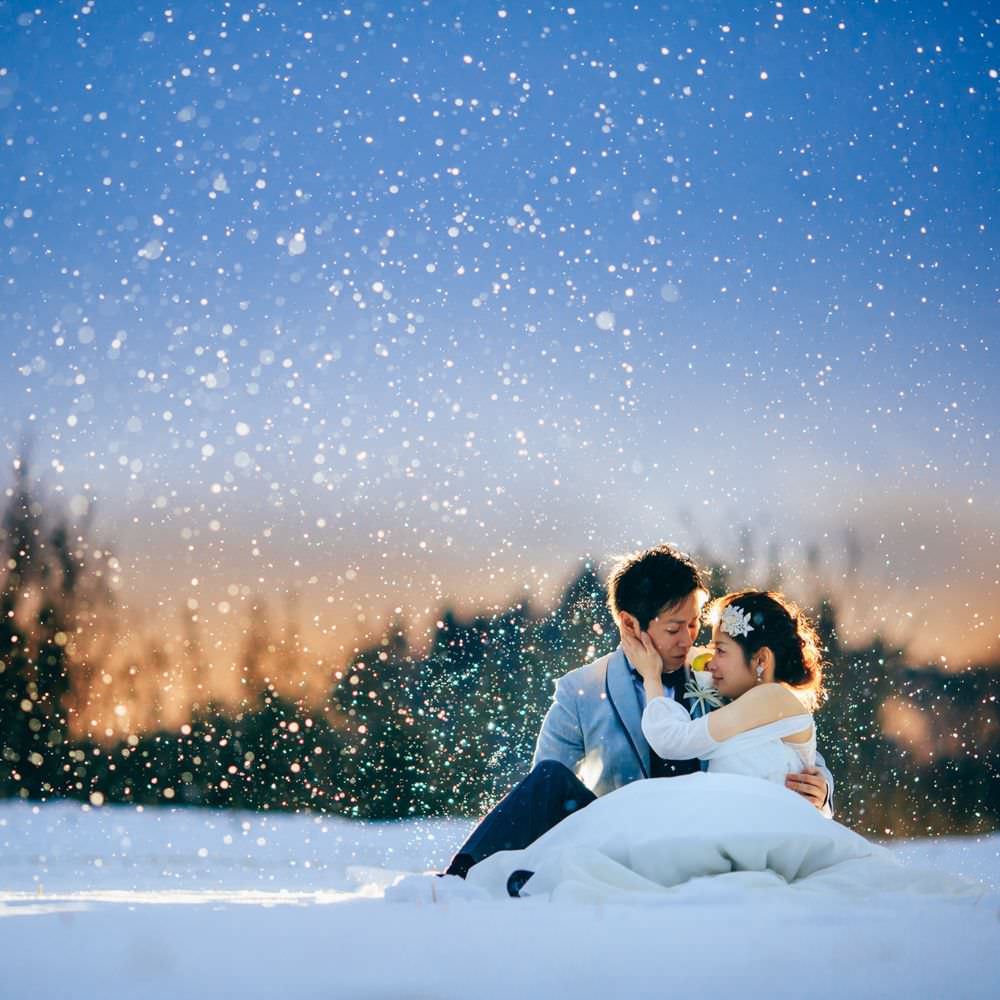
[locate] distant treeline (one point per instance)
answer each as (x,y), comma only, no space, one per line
(912,751)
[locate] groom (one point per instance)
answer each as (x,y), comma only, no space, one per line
(591,739)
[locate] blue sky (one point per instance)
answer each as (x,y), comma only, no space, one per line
(424,302)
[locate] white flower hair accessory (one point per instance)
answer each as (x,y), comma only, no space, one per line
(735,621)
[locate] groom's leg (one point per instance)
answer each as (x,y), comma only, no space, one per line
(549,793)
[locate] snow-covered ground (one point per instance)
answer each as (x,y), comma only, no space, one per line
(190,903)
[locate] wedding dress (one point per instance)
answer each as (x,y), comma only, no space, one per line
(733,827)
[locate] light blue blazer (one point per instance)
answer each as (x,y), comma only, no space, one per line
(593,727)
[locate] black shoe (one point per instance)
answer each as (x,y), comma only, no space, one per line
(460,865)
(517,881)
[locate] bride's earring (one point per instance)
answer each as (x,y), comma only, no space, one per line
(760,672)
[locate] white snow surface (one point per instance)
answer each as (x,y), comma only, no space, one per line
(173,902)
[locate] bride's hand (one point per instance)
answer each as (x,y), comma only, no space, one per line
(642,655)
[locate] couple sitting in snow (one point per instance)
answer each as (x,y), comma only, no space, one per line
(581,824)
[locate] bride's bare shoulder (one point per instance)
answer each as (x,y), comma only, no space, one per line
(775,700)
(760,706)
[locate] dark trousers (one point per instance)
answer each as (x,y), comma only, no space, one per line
(537,803)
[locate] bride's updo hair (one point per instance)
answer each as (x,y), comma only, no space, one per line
(779,625)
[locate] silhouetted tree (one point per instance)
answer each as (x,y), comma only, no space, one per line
(38,603)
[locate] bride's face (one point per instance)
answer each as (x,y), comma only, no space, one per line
(729,666)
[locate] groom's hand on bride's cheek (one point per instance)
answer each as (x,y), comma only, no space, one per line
(810,784)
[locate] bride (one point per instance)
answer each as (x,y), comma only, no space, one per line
(737,821)
(766,660)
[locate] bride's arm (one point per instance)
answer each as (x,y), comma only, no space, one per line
(673,734)
(675,728)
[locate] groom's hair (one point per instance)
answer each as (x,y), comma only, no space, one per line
(653,580)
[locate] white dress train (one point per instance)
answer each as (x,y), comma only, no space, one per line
(734,827)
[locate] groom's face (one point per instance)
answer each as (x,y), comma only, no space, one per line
(674,630)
